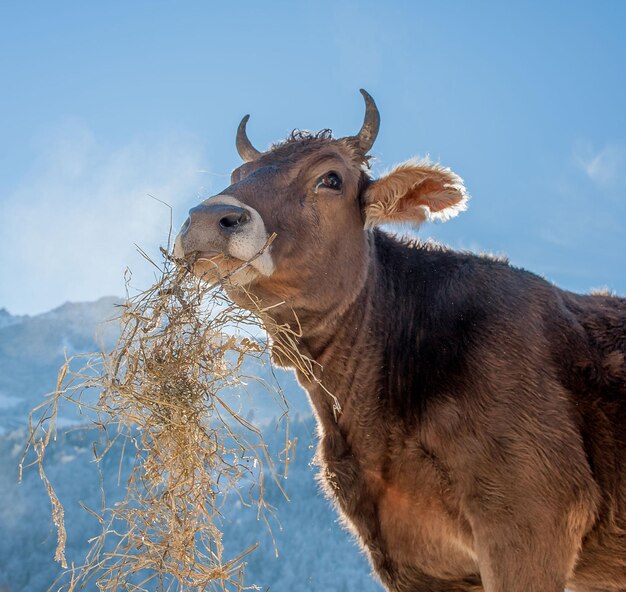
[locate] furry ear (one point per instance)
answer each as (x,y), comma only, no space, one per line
(413,192)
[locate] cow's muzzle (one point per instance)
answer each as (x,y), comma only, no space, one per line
(223,228)
(209,227)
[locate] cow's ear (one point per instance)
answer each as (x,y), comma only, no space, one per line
(413,192)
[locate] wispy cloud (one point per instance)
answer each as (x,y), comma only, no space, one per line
(606,167)
(69,229)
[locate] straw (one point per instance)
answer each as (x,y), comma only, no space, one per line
(161,400)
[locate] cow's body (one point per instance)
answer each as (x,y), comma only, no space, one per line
(476,396)
(472,416)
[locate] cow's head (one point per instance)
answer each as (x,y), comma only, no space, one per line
(301,214)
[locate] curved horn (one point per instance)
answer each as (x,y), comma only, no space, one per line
(369,130)
(245,148)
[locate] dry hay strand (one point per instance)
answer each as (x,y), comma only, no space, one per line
(160,393)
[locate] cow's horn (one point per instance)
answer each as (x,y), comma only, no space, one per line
(245,148)
(371,123)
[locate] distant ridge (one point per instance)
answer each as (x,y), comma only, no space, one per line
(33,348)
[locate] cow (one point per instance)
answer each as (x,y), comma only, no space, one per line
(471,415)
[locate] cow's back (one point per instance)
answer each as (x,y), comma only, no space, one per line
(603,318)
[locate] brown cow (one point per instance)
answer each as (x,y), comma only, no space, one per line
(472,416)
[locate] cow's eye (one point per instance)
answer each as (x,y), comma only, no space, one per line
(330,180)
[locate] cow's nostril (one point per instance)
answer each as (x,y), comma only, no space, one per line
(233,220)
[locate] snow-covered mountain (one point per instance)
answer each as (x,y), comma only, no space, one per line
(33,348)
(313,551)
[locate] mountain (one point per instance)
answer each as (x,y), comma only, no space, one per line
(307,549)
(32,349)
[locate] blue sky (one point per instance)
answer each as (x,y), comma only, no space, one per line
(104,104)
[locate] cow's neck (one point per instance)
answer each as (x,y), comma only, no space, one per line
(341,348)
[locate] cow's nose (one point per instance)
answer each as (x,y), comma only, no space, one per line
(232,220)
(209,228)
(223,217)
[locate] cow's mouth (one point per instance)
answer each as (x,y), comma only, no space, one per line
(205,256)
(215,265)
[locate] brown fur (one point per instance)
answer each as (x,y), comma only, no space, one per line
(481,441)
(415,191)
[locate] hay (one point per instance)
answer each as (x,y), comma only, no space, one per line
(161,396)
